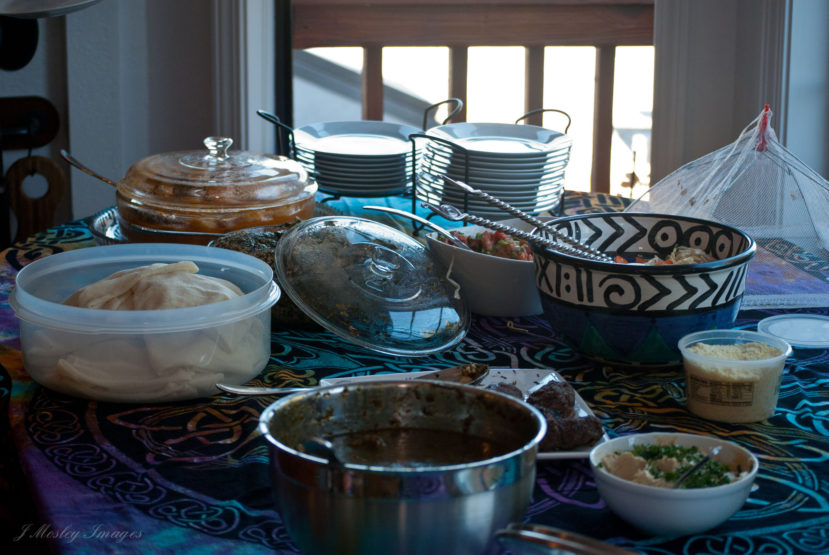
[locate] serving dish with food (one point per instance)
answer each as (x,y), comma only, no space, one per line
(633,314)
(496,274)
(635,473)
(194,196)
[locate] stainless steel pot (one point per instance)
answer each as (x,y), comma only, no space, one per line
(445,501)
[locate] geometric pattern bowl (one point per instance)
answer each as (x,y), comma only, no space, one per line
(634,314)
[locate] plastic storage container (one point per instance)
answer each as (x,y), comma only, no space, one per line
(146,355)
(737,376)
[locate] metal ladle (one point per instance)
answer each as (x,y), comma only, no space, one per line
(455,241)
(75,162)
(322,448)
(457,374)
(260,390)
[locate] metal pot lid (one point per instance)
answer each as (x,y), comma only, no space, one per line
(216,175)
(372,285)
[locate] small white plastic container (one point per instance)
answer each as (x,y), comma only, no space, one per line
(722,385)
(142,355)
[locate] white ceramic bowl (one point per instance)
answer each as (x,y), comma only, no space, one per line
(491,285)
(674,512)
(142,355)
(728,390)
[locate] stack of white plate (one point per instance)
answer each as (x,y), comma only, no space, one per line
(522,165)
(357,158)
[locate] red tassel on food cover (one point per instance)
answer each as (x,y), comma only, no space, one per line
(764,124)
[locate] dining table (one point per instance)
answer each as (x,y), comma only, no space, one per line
(85,476)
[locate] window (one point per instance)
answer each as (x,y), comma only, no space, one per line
(408,55)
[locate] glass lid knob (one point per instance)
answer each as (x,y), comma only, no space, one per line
(217,147)
(217,157)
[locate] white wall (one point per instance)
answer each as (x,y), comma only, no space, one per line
(139,82)
(43,76)
(719,61)
(807,106)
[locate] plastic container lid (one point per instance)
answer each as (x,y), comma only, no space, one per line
(372,285)
(43,285)
(799,330)
(203,179)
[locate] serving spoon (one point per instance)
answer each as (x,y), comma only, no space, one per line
(133,226)
(75,162)
(714,452)
(469,374)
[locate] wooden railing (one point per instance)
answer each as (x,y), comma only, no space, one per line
(459,24)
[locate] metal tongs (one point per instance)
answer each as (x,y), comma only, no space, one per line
(561,242)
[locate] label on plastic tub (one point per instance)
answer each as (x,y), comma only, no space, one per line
(727,394)
(730,394)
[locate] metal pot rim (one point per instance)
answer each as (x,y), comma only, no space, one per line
(527,447)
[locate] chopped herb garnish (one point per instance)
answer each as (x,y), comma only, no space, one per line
(712,473)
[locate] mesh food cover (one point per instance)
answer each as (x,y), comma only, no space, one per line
(757,185)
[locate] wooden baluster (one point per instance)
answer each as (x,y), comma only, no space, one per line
(534,83)
(603,119)
(458,67)
(372,82)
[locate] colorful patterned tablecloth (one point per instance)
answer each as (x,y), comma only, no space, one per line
(192,477)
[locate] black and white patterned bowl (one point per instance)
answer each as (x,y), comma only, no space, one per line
(633,314)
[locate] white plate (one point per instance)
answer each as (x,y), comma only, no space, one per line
(508,176)
(524,379)
(490,213)
(519,196)
(365,181)
(543,197)
(362,193)
(458,158)
(486,183)
(363,138)
(355,163)
(502,140)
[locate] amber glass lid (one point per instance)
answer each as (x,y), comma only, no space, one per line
(372,285)
(216,176)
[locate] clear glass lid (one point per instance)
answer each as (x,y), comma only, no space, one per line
(372,285)
(216,175)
